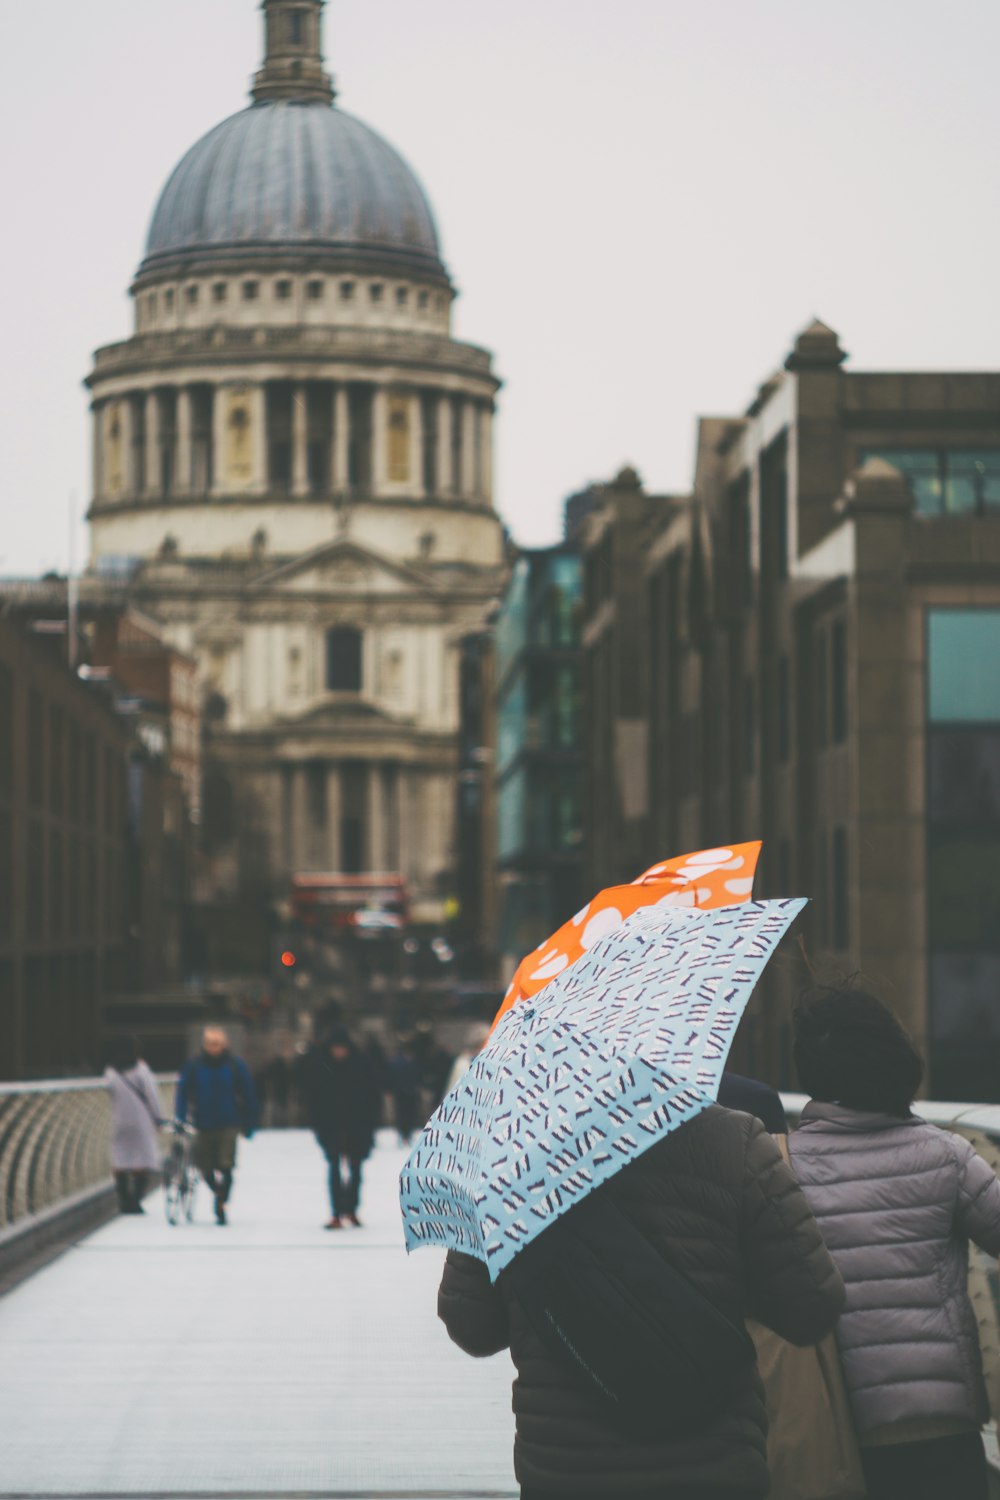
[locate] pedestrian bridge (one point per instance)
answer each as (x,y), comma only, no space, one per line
(266,1359)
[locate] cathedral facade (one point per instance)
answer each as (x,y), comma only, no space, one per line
(293,473)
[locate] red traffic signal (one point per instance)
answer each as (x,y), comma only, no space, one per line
(288,959)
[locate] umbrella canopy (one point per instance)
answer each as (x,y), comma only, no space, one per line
(707,879)
(623,1048)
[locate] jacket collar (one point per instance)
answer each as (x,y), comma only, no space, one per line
(857,1121)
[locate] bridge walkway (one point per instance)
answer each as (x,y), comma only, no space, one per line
(268,1358)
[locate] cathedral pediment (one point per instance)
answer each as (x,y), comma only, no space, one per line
(340,568)
(334,713)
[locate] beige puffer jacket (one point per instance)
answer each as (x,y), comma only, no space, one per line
(897,1201)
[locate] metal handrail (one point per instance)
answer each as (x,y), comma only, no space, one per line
(55,1139)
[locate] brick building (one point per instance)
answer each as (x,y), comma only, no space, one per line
(63,836)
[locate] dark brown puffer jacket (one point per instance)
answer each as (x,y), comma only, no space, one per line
(720,1204)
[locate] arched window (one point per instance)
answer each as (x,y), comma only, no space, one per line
(343,659)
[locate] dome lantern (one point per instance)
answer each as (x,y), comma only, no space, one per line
(293,54)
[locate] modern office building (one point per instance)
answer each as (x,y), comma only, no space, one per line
(539,750)
(821,669)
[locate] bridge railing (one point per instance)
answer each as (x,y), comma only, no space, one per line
(55,1143)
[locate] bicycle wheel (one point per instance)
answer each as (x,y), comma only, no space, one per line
(190,1191)
(172,1187)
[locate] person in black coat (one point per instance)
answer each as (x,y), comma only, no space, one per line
(754,1098)
(342,1105)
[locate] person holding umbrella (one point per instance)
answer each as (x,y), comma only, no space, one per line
(612,1226)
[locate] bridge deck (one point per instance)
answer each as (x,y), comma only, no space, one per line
(265,1359)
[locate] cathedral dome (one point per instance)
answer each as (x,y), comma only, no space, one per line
(293,176)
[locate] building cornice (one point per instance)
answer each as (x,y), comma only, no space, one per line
(152,353)
(274,258)
(180,504)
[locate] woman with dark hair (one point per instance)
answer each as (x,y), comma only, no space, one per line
(135,1111)
(897,1201)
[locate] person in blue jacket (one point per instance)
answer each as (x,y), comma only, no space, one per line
(216,1092)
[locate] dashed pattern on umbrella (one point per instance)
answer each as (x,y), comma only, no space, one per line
(620,1049)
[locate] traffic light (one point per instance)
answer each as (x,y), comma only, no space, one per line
(287,959)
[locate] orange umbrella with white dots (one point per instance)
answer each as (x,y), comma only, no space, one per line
(707,879)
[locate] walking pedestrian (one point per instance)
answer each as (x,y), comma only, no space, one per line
(475,1040)
(342,1104)
(216,1090)
(404,1086)
(897,1201)
(135,1123)
(754,1098)
(716,1199)
(434,1063)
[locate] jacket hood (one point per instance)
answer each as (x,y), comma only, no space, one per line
(860,1121)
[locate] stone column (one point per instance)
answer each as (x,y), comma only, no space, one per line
(417,444)
(300,440)
(405,839)
(380,436)
(300,829)
(275,827)
(182,472)
(444,484)
(333,815)
(341,438)
(487,421)
(129,481)
(97,454)
(376,817)
(390,781)
(258,410)
(469,416)
(153,471)
(218,439)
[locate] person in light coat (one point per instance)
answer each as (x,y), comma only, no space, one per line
(135,1111)
(897,1201)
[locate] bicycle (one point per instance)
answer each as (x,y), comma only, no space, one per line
(180,1175)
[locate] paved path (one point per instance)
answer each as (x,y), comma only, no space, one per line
(265,1359)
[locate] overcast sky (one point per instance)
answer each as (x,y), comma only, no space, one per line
(641,202)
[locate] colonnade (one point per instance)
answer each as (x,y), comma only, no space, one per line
(346,815)
(292,438)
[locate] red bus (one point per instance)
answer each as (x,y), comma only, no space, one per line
(367,905)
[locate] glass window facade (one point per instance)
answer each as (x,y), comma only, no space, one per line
(947,481)
(539,725)
(963,652)
(963,850)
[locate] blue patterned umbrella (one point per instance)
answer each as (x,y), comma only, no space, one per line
(578,1081)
